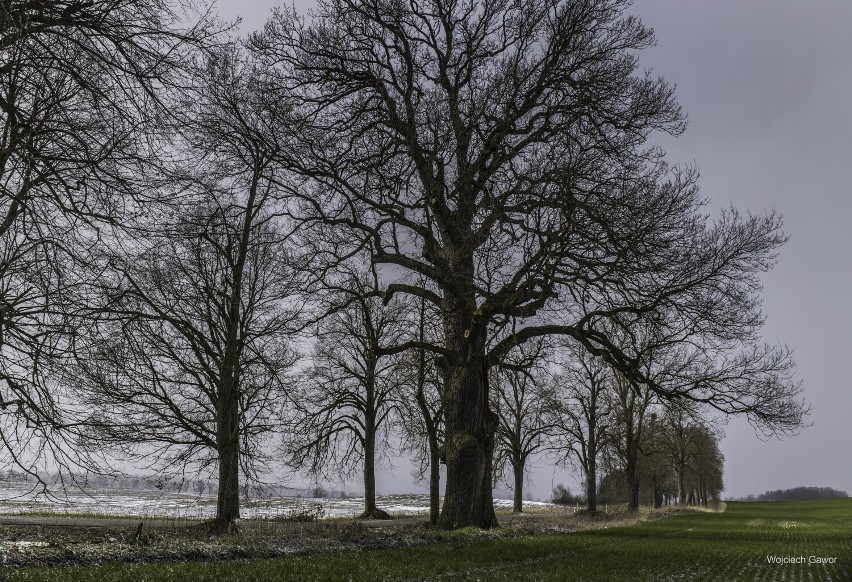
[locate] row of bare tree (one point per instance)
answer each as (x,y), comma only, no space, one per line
(582,413)
(431,186)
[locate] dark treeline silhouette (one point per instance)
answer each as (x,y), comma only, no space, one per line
(629,444)
(561,495)
(678,463)
(802,493)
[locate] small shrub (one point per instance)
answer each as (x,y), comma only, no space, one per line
(312,512)
(563,496)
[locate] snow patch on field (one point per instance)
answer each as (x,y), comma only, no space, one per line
(5,545)
(167,504)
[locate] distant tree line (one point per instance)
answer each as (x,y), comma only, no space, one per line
(801,493)
(630,446)
(94,481)
(440,228)
(674,468)
(677,459)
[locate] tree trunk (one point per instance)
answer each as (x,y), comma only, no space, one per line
(228,402)
(633,499)
(434,457)
(592,485)
(434,482)
(470,427)
(518,469)
(228,445)
(632,474)
(656,494)
(431,424)
(369,468)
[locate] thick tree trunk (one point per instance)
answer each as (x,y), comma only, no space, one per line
(592,486)
(518,469)
(470,427)
(633,498)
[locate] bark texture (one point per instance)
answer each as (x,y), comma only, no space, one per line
(471,428)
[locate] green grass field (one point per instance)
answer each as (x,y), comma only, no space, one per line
(694,547)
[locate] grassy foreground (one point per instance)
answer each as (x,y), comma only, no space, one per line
(730,546)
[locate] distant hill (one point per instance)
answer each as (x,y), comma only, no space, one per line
(798,493)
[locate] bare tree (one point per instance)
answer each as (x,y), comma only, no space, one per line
(344,409)
(631,404)
(421,413)
(190,364)
(679,422)
(199,307)
(708,470)
(497,151)
(659,440)
(521,404)
(664,450)
(692,453)
(580,408)
(656,467)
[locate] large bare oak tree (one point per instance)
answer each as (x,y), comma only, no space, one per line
(494,156)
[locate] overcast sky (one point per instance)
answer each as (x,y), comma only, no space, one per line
(767,85)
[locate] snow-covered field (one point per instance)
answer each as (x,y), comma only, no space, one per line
(168,504)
